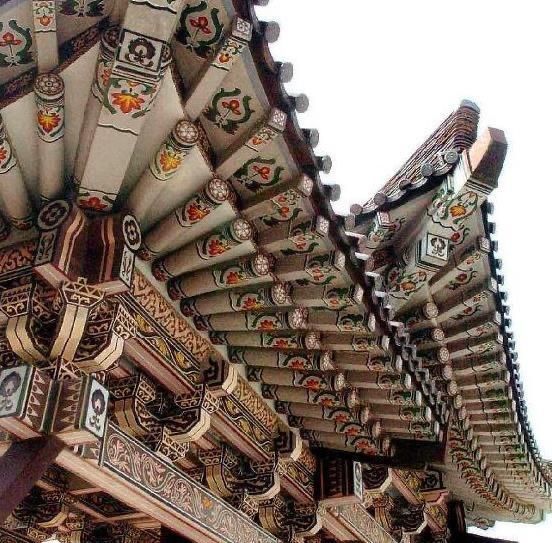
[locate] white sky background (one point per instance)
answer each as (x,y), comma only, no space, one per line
(382,75)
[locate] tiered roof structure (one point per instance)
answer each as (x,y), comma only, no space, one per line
(194,345)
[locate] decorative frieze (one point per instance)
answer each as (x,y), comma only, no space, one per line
(131,461)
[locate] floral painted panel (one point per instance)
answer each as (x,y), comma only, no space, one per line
(236,107)
(17,44)
(201,27)
(130,460)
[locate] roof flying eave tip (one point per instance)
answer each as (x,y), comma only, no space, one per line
(487,155)
(470,104)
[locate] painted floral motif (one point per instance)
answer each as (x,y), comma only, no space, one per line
(141,51)
(262,138)
(7,158)
(130,460)
(457,238)
(228,53)
(222,241)
(351,323)
(94,203)
(320,269)
(411,414)
(127,101)
(83,8)
(280,342)
(402,285)
(328,401)
(104,65)
(351,429)
(481,330)
(452,212)
(263,322)
(44,14)
(53,214)
(232,275)
(259,173)
(389,380)
(484,348)
(131,232)
(310,382)
(364,445)
(195,212)
(169,160)
(229,109)
(49,120)
(339,415)
(200,28)
(468,312)
(216,246)
(286,208)
(464,277)
(362,344)
(382,233)
(376,364)
(294,362)
(249,301)
(15,45)
(337,298)
(304,239)
(128,97)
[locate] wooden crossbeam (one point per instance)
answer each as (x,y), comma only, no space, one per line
(23,464)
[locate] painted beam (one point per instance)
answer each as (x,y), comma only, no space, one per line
(166,494)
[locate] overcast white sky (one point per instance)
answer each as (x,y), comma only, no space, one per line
(382,75)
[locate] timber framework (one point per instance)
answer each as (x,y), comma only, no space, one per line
(194,346)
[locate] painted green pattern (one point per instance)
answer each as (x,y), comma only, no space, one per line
(200,28)
(229,109)
(15,45)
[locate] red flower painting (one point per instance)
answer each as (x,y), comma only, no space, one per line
(201,24)
(263,171)
(233,106)
(233,278)
(216,247)
(267,324)
(195,213)
(8,39)
(169,161)
(250,304)
(94,203)
(48,120)
(297,364)
(312,384)
(282,343)
(127,101)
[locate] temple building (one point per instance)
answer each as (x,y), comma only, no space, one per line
(194,346)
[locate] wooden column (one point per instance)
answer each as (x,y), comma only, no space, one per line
(21,467)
